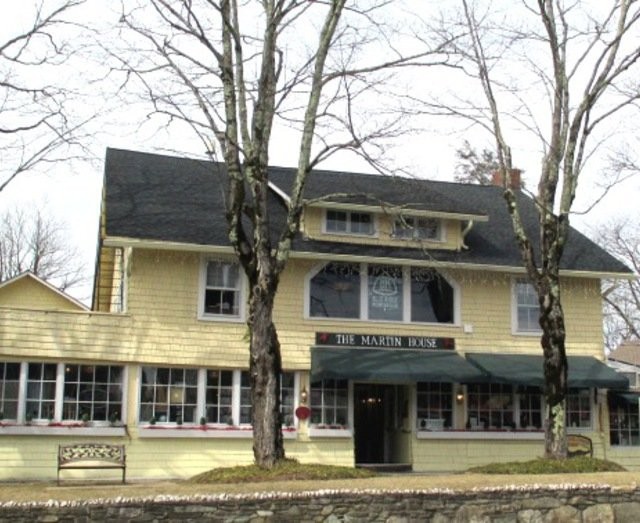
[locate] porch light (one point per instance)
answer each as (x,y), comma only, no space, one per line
(460,395)
(304,395)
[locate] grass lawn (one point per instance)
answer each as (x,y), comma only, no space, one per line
(302,477)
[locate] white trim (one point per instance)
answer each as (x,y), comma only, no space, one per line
(120,241)
(316,432)
(242,294)
(394,209)
(515,330)
(364,298)
(374,224)
(72,430)
(37,279)
(285,197)
(194,431)
(481,435)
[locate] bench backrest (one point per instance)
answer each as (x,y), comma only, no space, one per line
(91,452)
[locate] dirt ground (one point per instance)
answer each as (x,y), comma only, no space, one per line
(76,490)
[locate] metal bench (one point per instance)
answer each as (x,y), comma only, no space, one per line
(85,456)
(578,445)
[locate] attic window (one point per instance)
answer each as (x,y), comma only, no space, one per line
(347,222)
(413,228)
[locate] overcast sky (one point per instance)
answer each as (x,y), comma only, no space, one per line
(71,192)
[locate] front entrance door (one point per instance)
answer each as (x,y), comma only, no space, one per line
(377,416)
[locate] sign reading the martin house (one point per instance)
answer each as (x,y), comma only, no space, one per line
(383,341)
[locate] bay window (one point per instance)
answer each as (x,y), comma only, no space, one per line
(391,293)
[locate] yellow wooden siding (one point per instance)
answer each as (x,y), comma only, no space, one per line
(162,322)
(313,228)
(28,293)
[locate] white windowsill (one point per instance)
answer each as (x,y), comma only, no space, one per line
(156,431)
(315,432)
(45,430)
(480,435)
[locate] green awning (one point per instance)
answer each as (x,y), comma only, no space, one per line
(628,397)
(399,366)
(526,369)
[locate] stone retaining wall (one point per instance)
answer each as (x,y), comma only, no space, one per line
(548,504)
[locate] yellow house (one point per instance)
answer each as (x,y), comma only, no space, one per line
(409,335)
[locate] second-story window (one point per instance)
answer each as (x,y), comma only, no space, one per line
(222,290)
(527,310)
(381,293)
(414,228)
(346,222)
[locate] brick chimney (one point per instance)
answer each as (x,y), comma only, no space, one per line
(515,179)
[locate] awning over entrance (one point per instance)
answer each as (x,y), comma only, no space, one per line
(392,365)
(628,397)
(526,369)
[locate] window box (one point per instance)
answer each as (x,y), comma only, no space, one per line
(205,431)
(61,429)
(330,431)
(497,434)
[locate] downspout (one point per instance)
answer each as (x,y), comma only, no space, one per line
(465,231)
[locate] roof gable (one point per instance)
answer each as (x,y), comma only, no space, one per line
(28,291)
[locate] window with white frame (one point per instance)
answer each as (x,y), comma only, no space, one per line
(579,408)
(41,391)
(527,309)
(434,403)
(624,420)
(92,392)
(287,398)
(170,395)
(347,222)
(222,290)
(392,293)
(218,397)
(59,392)
(9,390)
(530,408)
(415,228)
(490,406)
(329,403)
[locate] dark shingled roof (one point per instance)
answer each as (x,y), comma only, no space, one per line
(164,198)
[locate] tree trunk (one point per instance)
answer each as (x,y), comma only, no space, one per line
(265,368)
(555,368)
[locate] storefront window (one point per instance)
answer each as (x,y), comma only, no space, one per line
(623,420)
(9,390)
(530,404)
(579,408)
(490,406)
(169,394)
(329,403)
(219,393)
(434,406)
(92,392)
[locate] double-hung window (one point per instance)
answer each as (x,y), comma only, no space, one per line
(347,222)
(527,309)
(222,290)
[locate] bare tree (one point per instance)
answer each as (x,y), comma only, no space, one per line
(561,71)
(33,241)
(37,124)
(621,297)
(474,167)
(251,70)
